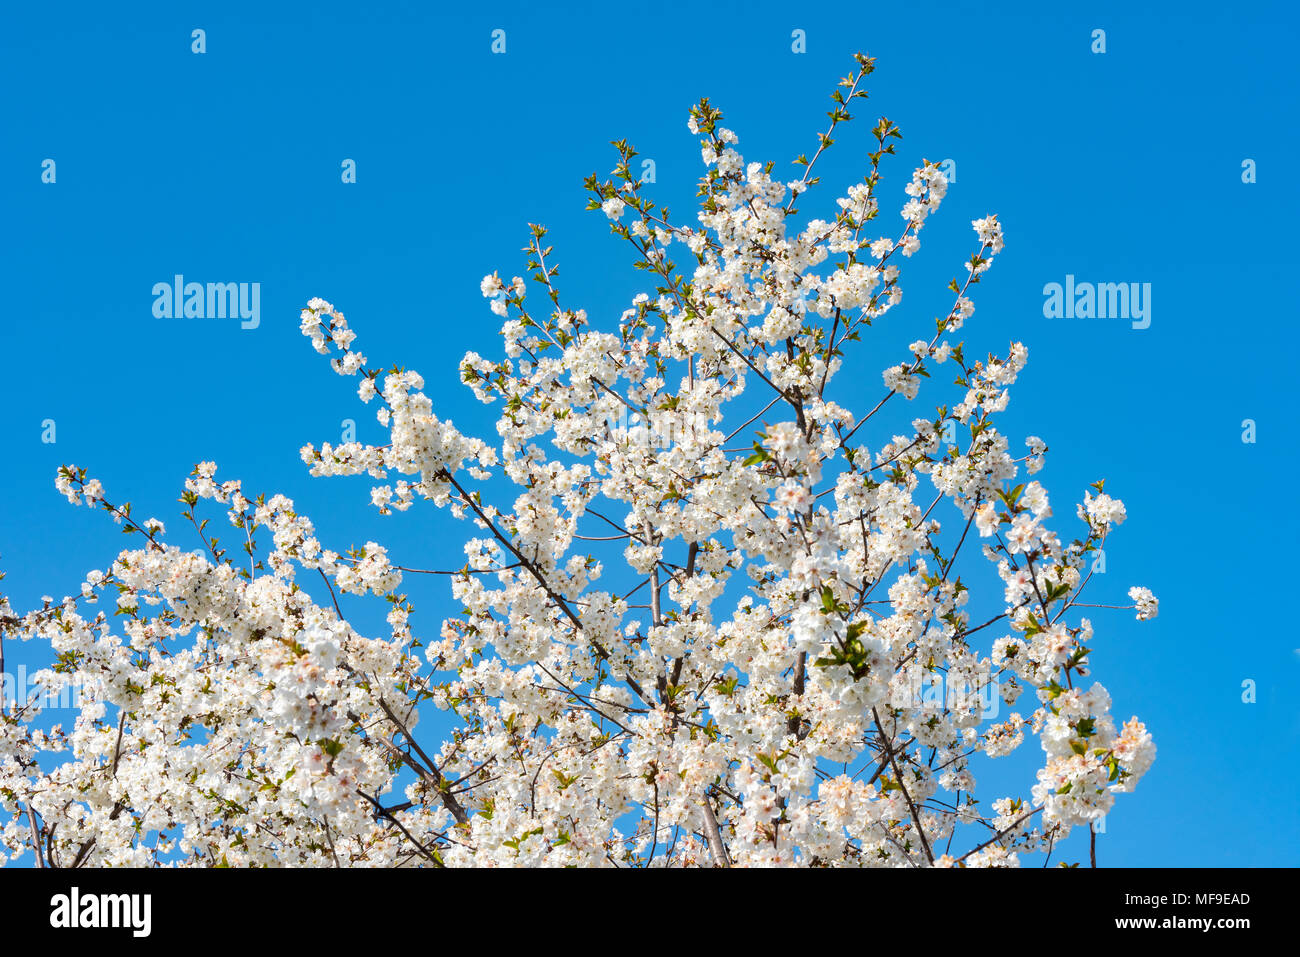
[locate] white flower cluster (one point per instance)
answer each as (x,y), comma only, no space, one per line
(690,638)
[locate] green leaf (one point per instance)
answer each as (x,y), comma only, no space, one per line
(828,599)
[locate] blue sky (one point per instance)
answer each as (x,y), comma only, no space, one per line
(1117,167)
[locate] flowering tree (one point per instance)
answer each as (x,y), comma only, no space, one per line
(751,692)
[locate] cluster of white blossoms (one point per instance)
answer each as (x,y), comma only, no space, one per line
(691,651)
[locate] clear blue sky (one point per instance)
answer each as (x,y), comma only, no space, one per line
(1117,167)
